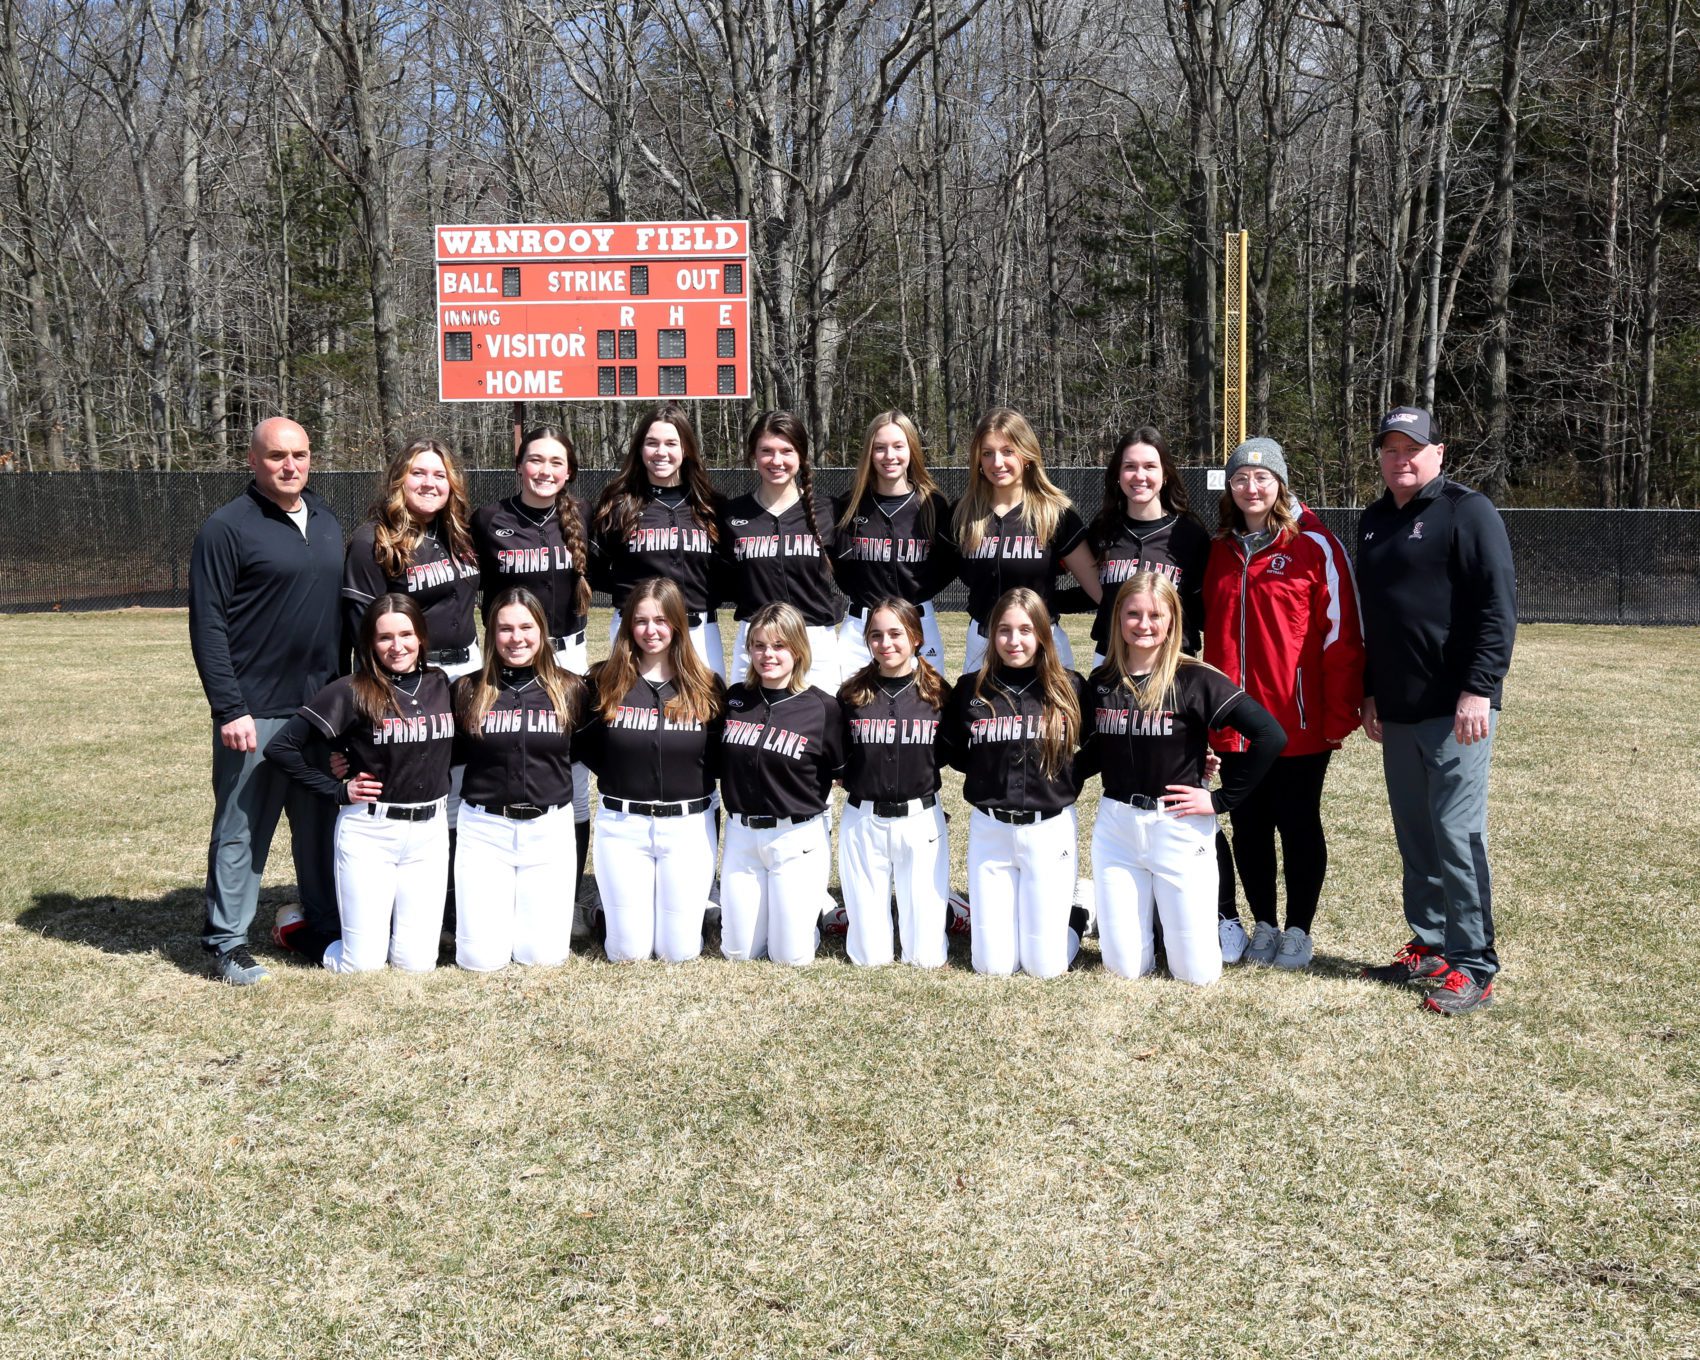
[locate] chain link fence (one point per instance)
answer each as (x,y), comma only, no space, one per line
(111,540)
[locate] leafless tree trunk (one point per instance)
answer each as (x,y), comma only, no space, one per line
(1499,278)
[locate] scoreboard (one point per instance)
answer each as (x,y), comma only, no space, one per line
(593,310)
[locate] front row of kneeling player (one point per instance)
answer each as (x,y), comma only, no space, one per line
(659,730)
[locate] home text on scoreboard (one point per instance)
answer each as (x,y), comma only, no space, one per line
(582,311)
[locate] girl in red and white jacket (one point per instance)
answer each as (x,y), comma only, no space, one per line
(1281,620)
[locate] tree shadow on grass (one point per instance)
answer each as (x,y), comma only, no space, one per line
(168,925)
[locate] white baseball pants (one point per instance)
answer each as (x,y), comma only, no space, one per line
(853,642)
(824,671)
(705,637)
(977,644)
(1020,894)
(772,884)
(575,657)
(654,874)
(910,856)
(1143,859)
(513,889)
(390,880)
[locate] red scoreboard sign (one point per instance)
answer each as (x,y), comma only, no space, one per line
(588,310)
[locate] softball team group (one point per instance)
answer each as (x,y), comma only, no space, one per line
(466,729)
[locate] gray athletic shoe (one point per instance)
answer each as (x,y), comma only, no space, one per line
(1296,949)
(1234,940)
(1265,940)
(237,967)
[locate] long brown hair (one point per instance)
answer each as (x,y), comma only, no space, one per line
(396,533)
(374,689)
(1043,501)
(787,621)
(698,696)
(621,501)
(863,687)
(1171,495)
(568,513)
(788,426)
(1154,694)
(1060,718)
(920,480)
(476,692)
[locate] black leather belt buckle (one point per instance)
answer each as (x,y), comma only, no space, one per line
(407,814)
(891,809)
(1011,818)
(761,823)
(1139,800)
(519,812)
(449,656)
(695,620)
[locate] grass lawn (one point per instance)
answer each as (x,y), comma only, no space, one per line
(739,1160)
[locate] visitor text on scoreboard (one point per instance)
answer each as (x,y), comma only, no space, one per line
(578,311)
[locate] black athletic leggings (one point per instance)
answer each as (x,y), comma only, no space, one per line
(1288,801)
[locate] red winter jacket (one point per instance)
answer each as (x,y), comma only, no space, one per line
(1285,627)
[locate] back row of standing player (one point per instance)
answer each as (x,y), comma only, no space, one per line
(1278,588)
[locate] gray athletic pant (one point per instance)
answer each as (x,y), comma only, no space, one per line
(249,793)
(1437,791)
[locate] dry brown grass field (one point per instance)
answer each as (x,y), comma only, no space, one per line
(738,1160)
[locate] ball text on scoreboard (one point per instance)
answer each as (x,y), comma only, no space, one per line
(580,311)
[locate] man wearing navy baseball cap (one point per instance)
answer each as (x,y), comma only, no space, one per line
(1439,603)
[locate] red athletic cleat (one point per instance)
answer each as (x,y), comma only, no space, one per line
(1459,994)
(1414,963)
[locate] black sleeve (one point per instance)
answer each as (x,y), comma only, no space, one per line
(362,582)
(1196,555)
(953,728)
(1088,761)
(943,561)
(1071,533)
(299,750)
(1488,620)
(1072,598)
(1253,722)
(214,566)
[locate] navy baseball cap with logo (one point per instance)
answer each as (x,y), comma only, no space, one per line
(1411,420)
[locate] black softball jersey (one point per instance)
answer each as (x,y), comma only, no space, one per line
(523,753)
(1139,754)
(445,589)
(668,540)
(522,546)
(644,756)
(894,546)
(894,752)
(780,751)
(408,753)
(1175,546)
(774,559)
(996,739)
(1011,554)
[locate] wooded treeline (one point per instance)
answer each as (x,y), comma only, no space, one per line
(213,210)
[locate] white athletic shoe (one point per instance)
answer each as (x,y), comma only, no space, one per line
(1234,940)
(1265,940)
(1296,949)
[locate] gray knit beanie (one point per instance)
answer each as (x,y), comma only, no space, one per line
(1260,452)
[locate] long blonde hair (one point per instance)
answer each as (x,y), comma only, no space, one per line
(396,533)
(920,480)
(1060,719)
(863,687)
(1043,500)
(785,620)
(1154,694)
(697,698)
(476,692)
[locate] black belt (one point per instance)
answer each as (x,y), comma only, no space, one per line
(902,809)
(423,813)
(449,656)
(689,809)
(517,812)
(1018,818)
(697,620)
(569,640)
(769,823)
(1138,800)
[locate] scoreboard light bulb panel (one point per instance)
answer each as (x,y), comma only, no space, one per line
(632,310)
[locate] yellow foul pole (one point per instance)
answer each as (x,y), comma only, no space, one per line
(1234,249)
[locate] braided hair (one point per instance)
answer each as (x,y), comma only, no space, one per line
(787,426)
(568,511)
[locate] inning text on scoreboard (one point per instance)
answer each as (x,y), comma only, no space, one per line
(581,311)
